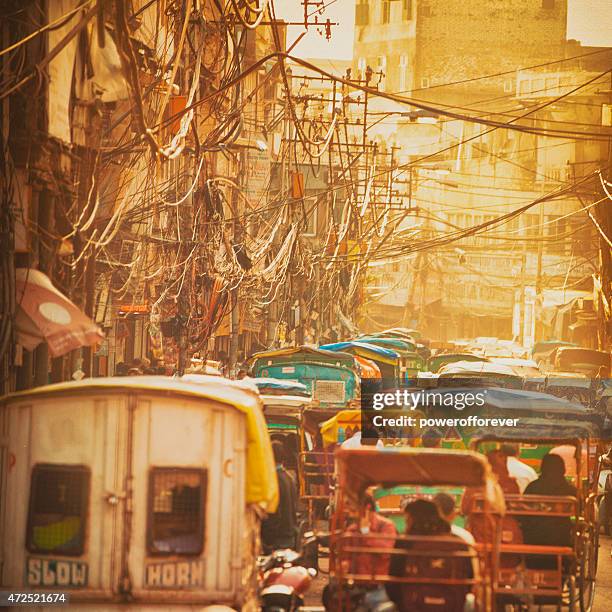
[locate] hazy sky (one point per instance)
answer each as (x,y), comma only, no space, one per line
(589,21)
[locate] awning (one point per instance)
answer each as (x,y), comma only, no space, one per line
(44,314)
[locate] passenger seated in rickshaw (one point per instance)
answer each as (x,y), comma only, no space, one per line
(549,530)
(423,519)
(372,524)
(511,530)
(448,511)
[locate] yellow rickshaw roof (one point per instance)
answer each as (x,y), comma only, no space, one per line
(261,480)
(329,429)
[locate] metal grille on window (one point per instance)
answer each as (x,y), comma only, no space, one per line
(329,390)
(176,512)
(58,509)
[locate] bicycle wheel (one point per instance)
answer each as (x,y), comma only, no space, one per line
(588,571)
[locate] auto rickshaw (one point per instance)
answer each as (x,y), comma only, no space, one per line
(283,414)
(542,350)
(411,362)
(391,343)
(591,362)
(574,387)
(387,360)
(479,373)
(543,574)
(400,332)
(135,493)
(330,377)
(425,572)
(435,362)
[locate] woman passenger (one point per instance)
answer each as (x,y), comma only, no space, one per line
(423,519)
(476,523)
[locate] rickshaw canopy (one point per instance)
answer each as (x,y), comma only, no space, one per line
(394,344)
(358,469)
(589,361)
(278,386)
(549,345)
(261,480)
(543,431)
(519,399)
(344,418)
(364,349)
(476,367)
(335,357)
(441,359)
(401,332)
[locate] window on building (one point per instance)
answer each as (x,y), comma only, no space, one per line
(361,67)
(406,10)
(555,230)
(58,509)
(386,11)
(381,71)
(424,82)
(403,72)
(548,4)
(362,13)
(177,501)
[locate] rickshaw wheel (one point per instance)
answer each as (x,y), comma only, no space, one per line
(588,571)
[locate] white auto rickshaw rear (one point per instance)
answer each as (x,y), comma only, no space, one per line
(135,493)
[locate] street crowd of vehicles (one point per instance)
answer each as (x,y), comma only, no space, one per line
(147,492)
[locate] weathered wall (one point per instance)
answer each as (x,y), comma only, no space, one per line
(459,40)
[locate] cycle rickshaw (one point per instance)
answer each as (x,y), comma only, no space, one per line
(435,571)
(561,574)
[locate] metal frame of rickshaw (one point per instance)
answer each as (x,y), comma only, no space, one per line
(549,583)
(398,466)
(405,354)
(315,467)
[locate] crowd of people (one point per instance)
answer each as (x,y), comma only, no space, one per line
(139,367)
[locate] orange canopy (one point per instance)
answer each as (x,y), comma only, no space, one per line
(367,368)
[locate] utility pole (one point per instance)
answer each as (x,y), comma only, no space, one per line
(235,313)
(523,283)
(539,289)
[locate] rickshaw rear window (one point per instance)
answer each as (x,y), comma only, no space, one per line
(329,391)
(177,499)
(58,509)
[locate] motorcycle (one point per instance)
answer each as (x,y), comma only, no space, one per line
(284,581)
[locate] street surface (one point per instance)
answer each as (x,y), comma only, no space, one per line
(603,591)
